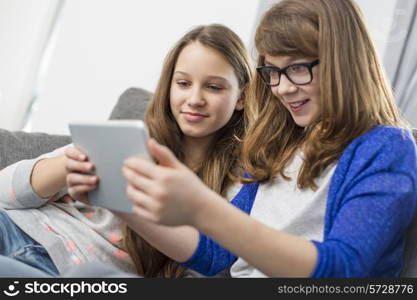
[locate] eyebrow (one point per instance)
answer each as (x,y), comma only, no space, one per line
(210,76)
(267,63)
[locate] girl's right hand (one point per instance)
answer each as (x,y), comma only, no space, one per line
(79,181)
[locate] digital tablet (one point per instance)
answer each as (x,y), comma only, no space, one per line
(108,144)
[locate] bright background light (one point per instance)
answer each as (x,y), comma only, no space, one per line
(102,47)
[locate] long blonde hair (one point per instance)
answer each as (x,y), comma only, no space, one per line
(219,168)
(354,93)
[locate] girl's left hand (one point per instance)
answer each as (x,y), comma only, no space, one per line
(168,193)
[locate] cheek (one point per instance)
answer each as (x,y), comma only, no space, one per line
(315,95)
(225,106)
(316,105)
(174,100)
(274,91)
(315,85)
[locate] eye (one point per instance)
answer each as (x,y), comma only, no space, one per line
(295,69)
(183,83)
(214,87)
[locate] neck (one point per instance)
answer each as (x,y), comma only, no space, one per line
(195,150)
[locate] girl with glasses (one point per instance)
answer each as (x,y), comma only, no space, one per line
(330,169)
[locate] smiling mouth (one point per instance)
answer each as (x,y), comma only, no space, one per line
(298,103)
(194,117)
(194,114)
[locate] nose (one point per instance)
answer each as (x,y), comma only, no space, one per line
(285,86)
(196,97)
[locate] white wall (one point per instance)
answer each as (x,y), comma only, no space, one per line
(23,25)
(107,46)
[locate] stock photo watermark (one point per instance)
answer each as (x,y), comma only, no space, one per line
(72,289)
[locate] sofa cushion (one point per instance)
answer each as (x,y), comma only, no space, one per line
(18,145)
(131,105)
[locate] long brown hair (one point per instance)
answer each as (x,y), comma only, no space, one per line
(219,168)
(354,93)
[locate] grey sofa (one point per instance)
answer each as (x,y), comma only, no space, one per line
(15,146)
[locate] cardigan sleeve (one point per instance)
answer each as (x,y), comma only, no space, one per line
(15,187)
(374,201)
(210,257)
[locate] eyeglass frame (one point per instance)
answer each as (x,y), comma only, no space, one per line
(280,71)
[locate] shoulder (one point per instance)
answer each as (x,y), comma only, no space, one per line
(382,161)
(382,148)
(387,135)
(387,140)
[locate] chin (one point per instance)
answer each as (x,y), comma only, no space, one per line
(193,133)
(303,123)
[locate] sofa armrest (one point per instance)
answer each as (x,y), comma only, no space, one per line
(18,145)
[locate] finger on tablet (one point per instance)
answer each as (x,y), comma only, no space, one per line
(75,153)
(81,179)
(79,167)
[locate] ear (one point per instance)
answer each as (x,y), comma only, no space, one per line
(240,104)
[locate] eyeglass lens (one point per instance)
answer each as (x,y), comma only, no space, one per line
(298,74)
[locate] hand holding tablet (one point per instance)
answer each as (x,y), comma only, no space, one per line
(108,144)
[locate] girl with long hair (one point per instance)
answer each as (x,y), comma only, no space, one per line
(330,168)
(197,111)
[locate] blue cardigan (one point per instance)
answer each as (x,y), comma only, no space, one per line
(371,201)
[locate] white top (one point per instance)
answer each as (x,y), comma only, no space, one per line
(281,205)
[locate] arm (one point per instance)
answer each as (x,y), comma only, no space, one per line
(179,242)
(165,194)
(176,242)
(275,253)
(16,190)
(48,176)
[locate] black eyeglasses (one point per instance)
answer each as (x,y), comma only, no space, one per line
(299,74)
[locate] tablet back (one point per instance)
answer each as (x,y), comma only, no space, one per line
(107,145)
